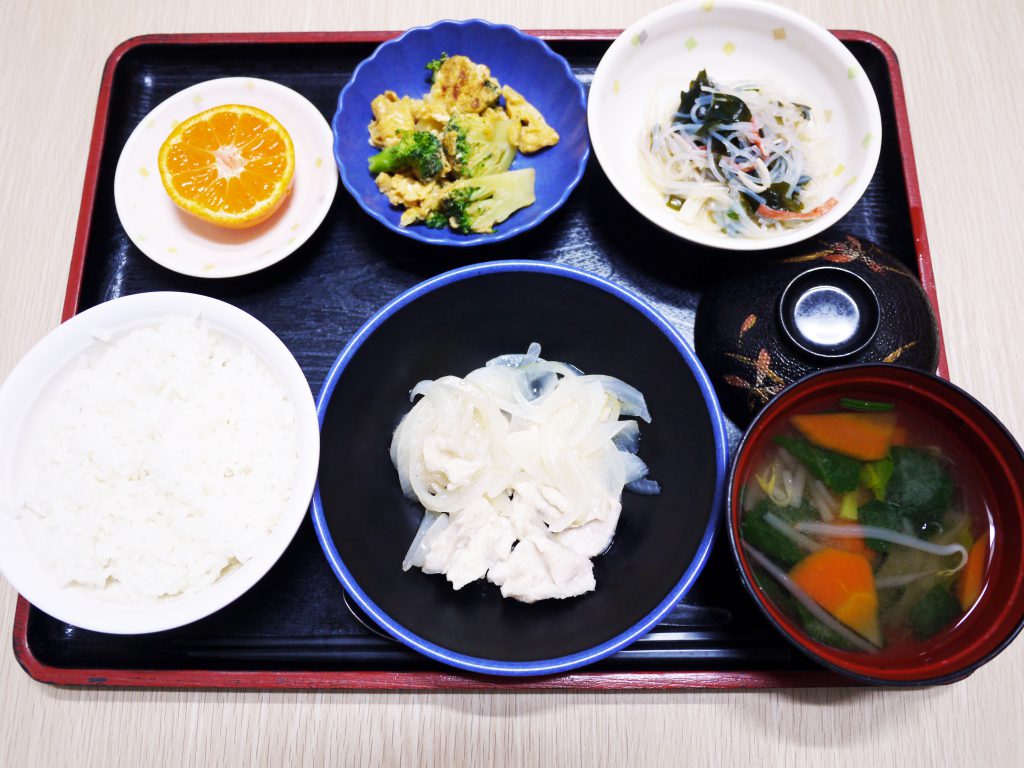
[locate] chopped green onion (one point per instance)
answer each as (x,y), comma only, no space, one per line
(864,405)
(733,215)
(675,203)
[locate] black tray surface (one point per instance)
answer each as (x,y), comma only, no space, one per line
(296,618)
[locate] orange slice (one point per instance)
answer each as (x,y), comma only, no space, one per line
(231,165)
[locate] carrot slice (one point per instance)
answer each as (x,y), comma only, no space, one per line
(843,584)
(862,436)
(899,435)
(968,583)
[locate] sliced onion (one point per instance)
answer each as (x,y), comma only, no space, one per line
(417,552)
(628,437)
(633,402)
(644,487)
(517,361)
(635,467)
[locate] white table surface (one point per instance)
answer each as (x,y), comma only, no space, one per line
(962,65)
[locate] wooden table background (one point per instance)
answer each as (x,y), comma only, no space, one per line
(963,67)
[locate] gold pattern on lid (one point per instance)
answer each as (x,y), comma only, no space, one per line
(319,162)
(197,99)
(828,115)
(839,170)
(729,49)
(868,137)
(172,250)
(249,85)
(779,33)
(615,86)
(851,73)
(691,43)
(707,5)
(143,172)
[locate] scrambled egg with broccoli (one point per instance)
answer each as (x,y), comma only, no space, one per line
(445,158)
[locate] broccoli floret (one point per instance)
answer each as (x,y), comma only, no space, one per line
(419,150)
(435,65)
(476,205)
(476,147)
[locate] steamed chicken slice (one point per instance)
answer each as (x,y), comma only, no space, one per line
(465,546)
(541,568)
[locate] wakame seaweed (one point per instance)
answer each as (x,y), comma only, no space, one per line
(724,109)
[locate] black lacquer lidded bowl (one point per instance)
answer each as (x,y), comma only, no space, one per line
(837,302)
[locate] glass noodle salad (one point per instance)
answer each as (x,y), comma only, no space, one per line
(736,157)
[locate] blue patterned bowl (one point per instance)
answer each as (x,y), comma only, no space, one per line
(517,59)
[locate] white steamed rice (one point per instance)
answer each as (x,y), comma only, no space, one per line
(162,462)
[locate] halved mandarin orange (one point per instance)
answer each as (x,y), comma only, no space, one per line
(231,165)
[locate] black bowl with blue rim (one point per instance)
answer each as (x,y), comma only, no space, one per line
(517,59)
(452,324)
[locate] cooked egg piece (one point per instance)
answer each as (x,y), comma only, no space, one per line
(530,131)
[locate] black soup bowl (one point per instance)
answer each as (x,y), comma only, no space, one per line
(450,325)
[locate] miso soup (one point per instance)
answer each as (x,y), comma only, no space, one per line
(866,525)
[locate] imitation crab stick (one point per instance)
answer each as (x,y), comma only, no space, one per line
(862,436)
(843,584)
(773,213)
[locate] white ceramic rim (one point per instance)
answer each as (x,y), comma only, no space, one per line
(621,49)
(257,248)
(26,388)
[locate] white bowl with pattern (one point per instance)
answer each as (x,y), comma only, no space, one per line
(734,40)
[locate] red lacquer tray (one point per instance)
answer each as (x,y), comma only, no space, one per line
(294,629)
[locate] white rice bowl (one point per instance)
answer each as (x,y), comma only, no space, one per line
(188,520)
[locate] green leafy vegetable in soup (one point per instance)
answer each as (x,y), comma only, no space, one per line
(757,529)
(935,611)
(838,472)
(920,486)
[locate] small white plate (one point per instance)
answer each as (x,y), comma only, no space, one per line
(186,244)
(733,40)
(28,394)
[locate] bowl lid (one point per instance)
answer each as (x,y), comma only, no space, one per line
(832,302)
